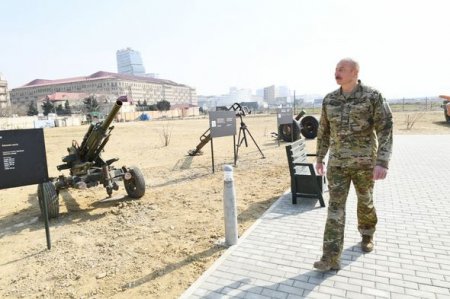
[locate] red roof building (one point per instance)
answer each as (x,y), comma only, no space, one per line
(110,85)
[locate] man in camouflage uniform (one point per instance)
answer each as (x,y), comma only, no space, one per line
(356,127)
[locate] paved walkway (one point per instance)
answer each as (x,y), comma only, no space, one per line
(274,258)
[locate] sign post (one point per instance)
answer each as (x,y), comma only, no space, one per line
(222,123)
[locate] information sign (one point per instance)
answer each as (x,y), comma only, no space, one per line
(284,116)
(222,123)
(23,158)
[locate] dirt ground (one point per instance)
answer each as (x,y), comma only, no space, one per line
(155,247)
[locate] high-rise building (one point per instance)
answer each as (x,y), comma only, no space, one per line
(269,94)
(276,95)
(129,62)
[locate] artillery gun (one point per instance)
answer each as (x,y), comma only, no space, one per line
(88,169)
(306,125)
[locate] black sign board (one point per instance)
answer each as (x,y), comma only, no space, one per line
(222,123)
(23,158)
(284,116)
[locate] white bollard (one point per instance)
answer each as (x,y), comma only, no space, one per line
(229,206)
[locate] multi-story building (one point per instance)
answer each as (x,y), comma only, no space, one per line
(283,92)
(129,62)
(237,95)
(4,97)
(276,95)
(110,85)
(269,94)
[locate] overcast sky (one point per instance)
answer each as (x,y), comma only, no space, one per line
(403,46)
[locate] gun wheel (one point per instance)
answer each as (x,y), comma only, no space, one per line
(310,126)
(136,185)
(48,192)
(289,132)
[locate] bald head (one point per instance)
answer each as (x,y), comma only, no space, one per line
(346,74)
(351,63)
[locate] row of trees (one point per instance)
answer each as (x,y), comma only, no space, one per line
(90,104)
(159,106)
(49,107)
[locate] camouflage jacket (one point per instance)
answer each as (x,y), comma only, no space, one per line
(357,129)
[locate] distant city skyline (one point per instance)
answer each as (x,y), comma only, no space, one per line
(213,45)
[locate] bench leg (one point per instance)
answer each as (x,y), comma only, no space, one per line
(322,202)
(294,196)
(319,193)
(324,183)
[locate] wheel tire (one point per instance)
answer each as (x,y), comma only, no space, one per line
(447,117)
(136,185)
(285,132)
(309,125)
(48,192)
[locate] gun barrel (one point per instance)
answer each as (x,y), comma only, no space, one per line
(107,122)
(90,146)
(300,115)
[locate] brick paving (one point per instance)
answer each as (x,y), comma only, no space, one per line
(411,259)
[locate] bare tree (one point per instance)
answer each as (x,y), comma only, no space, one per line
(166,134)
(412,119)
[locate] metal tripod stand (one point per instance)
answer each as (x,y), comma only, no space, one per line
(242,137)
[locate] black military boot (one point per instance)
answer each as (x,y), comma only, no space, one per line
(367,243)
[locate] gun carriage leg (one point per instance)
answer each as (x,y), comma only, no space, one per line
(108,180)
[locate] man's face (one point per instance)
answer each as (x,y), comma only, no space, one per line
(345,73)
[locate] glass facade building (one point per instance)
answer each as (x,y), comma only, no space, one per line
(129,62)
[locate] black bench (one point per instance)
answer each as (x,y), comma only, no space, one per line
(304,181)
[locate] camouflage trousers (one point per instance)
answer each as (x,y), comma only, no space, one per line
(339,179)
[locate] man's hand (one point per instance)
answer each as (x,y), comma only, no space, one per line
(319,169)
(379,173)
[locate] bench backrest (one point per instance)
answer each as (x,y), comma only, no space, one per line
(304,180)
(296,153)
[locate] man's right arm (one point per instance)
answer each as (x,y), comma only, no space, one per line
(323,135)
